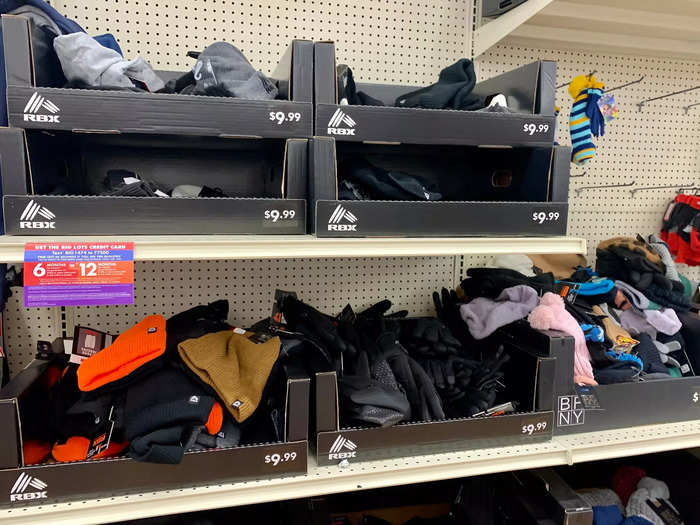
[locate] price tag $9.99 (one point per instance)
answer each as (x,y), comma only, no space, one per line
(279,458)
(534,427)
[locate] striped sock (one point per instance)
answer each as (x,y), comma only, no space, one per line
(580,129)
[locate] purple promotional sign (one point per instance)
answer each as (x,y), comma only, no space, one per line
(78,274)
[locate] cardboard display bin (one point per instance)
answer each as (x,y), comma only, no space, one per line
(34,101)
(61,175)
(529,380)
(529,91)
(607,407)
(60,482)
(515,191)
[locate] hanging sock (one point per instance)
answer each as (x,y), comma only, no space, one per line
(585,119)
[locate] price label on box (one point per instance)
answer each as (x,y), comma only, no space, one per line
(78,273)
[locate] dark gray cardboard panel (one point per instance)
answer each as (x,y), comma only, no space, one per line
(13,166)
(126,112)
(10,448)
(324,73)
(433,219)
(152,215)
(518,85)
(89,479)
(18,66)
(303,71)
(430,126)
(429,438)
(561,164)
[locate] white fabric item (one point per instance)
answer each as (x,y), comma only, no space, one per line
(518,262)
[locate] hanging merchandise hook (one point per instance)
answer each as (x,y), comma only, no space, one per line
(643,102)
(588,76)
(635,190)
(689,188)
(686,108)
(579,175)
(625,85)
(629,184)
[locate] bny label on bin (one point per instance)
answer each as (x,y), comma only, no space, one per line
(78,273)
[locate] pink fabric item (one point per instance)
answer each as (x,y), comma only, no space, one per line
(551,314)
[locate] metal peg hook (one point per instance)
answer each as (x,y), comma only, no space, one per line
(579,175)
(686,108)
(579,190)
(635,190)
(641,103)
(625,85)
(567,83)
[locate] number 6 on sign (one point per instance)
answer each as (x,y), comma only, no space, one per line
(39,270)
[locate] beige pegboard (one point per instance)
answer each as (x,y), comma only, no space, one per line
(656,146)
(23,327)
(169,287)
(392,41)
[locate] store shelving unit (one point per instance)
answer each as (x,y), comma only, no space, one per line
(367,475)
(210,247)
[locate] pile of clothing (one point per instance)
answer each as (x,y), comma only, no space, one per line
(126,183)
(86,62)
(632,319)
(634,499)
(161,388)
(681,229)
(453,90)
(393,368)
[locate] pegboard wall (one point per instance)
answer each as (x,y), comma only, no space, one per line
(386,41)
(657,146)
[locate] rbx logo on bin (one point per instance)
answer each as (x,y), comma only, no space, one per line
(341,214)
(19,489)
(570,411)
(339,444)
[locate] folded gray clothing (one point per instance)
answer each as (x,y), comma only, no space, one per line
(637,298)
(222,70)
(85,61)
(661,248)
(484,316)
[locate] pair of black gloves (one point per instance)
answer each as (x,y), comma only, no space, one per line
(393,369)
(379,382)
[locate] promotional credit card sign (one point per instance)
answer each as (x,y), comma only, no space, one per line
(78,273)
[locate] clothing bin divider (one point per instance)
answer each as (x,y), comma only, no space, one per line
(333,443)
(607,407)
(201,160)
(529,90)
(62,482)
(113,112)
(539,193)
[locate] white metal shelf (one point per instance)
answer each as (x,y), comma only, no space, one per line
(368,475)
(208,247)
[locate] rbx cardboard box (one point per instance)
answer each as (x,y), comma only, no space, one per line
(528,382)
(57,482)
(36,99)
(59,184)
(529,91)
(471,190)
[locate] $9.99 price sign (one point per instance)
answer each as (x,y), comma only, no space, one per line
(78,274)
(535,425)
(279,458)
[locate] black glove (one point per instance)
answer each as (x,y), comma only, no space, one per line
(449,372)
(420,391)
(319,328)
(447,309)
(364,399)
(427,337)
